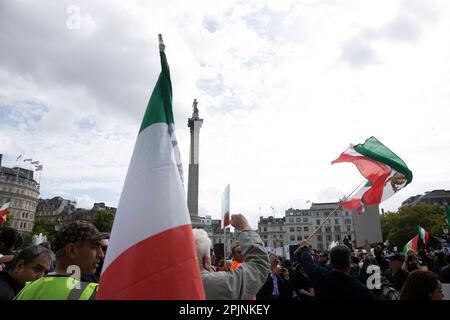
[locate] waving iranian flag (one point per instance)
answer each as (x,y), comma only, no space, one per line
(411,245)
(424,235)
(152,252)
(385,172)
(4,211)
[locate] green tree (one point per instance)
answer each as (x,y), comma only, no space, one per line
(103,221)
(401,226)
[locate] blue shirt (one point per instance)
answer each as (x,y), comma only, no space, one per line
(275,291)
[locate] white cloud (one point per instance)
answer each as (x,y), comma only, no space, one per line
(283,87)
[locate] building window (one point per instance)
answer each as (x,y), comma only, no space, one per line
(317,221)
(299,228)
(306,229)
(265,229)
(337,229)
(299,238)
(346,213)
(291,219)
(328,236)
(274,236)
(265,236)
(328,229)
(298,220)
(336,221)
(348,228)
(292,229)
(347,221)
(305,220)
(292,238)
(281,228)
(319,238)
(337,237)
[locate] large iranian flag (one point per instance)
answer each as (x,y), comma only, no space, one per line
(385,172)
(4,211)
(411,245)
(152,252)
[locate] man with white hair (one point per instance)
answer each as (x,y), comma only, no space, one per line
(246,280)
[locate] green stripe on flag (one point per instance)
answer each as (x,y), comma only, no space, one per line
(447,214)
(375,150)
(159,108)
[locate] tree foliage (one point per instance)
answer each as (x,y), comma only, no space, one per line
(401,226)
(103,221)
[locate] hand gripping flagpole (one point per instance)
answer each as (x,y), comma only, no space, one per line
(326,219)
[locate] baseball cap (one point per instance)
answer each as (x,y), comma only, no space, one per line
(78,230)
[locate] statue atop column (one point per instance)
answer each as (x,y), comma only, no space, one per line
(195,112)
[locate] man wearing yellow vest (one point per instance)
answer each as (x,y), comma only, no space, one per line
(78,253)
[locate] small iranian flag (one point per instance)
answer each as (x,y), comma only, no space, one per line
(4,211)
(411,245)
(385,172)
(226,207)
(152,253)
(424,235)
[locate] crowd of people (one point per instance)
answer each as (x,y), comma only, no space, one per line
(41,272)
(338,274)
(38,273)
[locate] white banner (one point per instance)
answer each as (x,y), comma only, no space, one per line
(226,207)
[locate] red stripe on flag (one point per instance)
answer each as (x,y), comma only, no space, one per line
(415,242)
(226,219)
(3,214)
(374,171)
(161,267)
(353,204)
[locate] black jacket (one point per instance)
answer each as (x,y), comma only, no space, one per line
(265,293)
(444,275)
(397,279)
(332,284)
(8,287)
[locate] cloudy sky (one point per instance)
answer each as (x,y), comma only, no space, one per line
(284,86)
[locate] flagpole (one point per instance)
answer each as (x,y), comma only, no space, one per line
(18,166)
(326,219)
(29,170)
(40,176)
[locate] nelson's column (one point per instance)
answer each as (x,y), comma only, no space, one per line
(194,123)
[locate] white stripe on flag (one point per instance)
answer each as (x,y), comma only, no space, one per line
(153,199)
